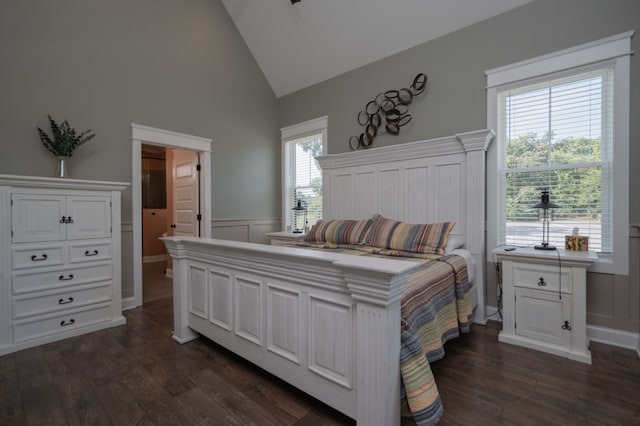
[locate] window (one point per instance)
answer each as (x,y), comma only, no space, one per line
(302,176)
(556,136)
(562,125)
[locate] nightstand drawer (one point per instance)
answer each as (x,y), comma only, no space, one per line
(73,297)
(542,277)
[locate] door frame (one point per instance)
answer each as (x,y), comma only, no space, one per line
(153,136)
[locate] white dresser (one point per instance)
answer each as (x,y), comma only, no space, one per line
(60,265)
(544,300)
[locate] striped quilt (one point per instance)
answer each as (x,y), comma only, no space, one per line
(436,307)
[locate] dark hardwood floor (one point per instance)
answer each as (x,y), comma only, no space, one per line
(135,374)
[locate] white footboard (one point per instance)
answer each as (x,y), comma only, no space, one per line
(327,323)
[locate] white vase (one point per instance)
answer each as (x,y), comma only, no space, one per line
(62,167)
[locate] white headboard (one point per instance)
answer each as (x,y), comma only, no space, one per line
(430,181)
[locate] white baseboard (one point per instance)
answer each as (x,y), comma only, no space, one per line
(157,258)
(492,313)
(128,303)
(609,336)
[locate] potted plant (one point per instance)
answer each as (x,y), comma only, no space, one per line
(63,142)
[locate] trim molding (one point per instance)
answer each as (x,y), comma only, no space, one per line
(246,230)
(156,258)
(128,303)
(144,134)
(609,336)
(492,313)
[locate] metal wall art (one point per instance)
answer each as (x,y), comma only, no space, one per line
(387,113)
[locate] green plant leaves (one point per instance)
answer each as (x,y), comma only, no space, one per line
(64,139)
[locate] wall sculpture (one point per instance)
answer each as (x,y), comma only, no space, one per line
(388,112)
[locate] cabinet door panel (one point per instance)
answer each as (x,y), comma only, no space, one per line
(37,218)
(540,315)
(91,217)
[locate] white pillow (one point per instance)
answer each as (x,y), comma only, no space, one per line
(454,242)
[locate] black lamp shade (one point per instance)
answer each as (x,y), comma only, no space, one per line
(544,202)
(300,207)
(545,205)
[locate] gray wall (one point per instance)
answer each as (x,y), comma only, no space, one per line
(456,100)
(175,65)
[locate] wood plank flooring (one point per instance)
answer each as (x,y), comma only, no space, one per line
(135,374)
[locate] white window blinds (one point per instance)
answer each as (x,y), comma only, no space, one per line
(556,134)
(303,181)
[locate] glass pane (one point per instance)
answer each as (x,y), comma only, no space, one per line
(557,136)
(305,182)
(578,192)
(153,184)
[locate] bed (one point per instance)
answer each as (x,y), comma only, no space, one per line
(328,321)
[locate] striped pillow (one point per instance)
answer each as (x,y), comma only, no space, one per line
(338,231)
(396,235)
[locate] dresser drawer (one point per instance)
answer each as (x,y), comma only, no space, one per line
(542,277)
(89,251)
(32,328)
(73,297)
(27,281)
(37,255)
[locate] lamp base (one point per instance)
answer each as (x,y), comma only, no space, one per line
(297,231)
(544,246)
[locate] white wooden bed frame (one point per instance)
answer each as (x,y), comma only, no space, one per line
(329,323)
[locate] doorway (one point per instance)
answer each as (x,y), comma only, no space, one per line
(156,221)
(169,141)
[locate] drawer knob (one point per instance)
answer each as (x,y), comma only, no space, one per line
(38,259)
(541,282)
(64,323)
(89,253)
(63,278)
(63,219)
(64,302)
(566,326)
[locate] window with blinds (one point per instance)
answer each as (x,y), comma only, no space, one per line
(556,134)
(303,186)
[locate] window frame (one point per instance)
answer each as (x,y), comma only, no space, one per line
(615,49)
(290,133)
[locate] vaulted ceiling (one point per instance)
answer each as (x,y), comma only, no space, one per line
(298,45)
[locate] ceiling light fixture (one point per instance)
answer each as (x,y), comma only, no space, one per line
(295,1)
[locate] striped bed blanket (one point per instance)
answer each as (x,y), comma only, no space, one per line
(436,307)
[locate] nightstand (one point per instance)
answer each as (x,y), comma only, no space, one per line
(284,238)
(544,300)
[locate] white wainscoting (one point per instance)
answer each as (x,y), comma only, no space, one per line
(128,301)
(246,230)
(634,272)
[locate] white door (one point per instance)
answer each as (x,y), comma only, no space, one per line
(185,193)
